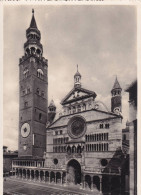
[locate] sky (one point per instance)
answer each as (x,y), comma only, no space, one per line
(100,39)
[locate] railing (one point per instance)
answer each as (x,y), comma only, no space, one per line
(103,170)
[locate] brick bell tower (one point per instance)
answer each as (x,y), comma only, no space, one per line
(33,84)
(116,100)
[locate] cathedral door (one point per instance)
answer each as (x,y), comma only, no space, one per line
(74,172)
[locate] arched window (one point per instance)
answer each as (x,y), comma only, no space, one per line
(79,108)
(40,73)
(74,109)
(84,106)
(26,72)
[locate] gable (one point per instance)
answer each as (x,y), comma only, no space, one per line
(77,94)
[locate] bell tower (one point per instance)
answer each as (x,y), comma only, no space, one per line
(33,85)
(116,105)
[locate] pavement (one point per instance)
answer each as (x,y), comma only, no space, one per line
(16,186)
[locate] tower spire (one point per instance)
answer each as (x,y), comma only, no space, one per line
(33,21)
(77,79)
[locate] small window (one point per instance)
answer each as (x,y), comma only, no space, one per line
(40,116)
(37,91)
(101,126)
(56,132)
(60,132)
(42,94)
(28,90)
(107,126)
(25,104)
(23,92)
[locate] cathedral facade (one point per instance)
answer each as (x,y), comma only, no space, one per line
(82,146)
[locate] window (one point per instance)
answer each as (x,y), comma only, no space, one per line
(60,132)
(28,90)
(79,108)
(25,104)
(40,116)
(42,94)
(37,91)
(124,137)
(40,73)
(26,72)
(56,132)
(23,92)
(101,126)
(107,126)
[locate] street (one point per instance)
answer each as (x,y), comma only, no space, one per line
(14,186)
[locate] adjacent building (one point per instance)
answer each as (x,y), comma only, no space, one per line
(132,90)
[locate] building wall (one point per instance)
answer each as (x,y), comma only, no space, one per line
(88,159)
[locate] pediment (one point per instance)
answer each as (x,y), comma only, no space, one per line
(77,94)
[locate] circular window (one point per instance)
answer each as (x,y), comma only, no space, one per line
(76,127)
(104,162)
(55,161)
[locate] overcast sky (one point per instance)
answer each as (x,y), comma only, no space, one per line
(100,39)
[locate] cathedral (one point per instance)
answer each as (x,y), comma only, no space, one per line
(82,146)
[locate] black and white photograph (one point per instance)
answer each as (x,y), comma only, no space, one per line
(69,99)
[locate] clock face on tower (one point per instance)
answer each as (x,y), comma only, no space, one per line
(25,130)
(117,110)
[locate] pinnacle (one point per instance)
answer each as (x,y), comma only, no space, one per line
(33,21)
(116,84)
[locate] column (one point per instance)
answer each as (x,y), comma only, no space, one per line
(39,176)
(61,178)
(55,178)
(84,182)
(66,178)
(34,175)
(91,183)
(12,171)
(49,177)
(26,174)
(100,183)
(15,172)
(44,176)
(30,175)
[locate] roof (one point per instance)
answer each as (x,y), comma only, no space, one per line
(116,85)
(92,115)
(52,104)
(77,74)
(33,21)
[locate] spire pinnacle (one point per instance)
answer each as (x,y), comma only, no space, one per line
(33,21)
(116,84)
